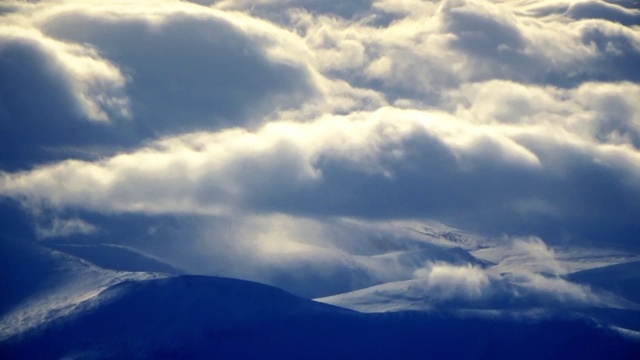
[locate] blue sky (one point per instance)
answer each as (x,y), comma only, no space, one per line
(293,142)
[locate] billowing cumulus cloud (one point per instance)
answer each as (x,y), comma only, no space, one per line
(390,163)
(285,141)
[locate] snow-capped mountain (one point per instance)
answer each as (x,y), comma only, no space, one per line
(73,309)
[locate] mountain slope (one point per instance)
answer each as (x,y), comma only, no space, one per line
(67,308)
(195,317)
(40,285)
(115,257)
(622,279)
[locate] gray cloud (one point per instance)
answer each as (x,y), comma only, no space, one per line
(191,70)
(137,73)
(604,10)
(51,92)
(273,9)
(268,139)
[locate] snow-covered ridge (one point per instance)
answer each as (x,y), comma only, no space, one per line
(58,283)
(197,317)
(78,310)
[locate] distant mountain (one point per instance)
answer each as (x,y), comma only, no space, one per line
(68,308)
(39,285)
(115,257)
(622,279)
(497,294)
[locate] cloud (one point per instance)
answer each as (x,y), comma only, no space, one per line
(65,227)
(262,132)
(448,281)
(51,91)
(528,274)
(415,55)
(276,10)
(520,281)
(137,73)
(531,255)
(387,163)
(193,65)
(310,257)
(95,86)
(594,111)
(604,10)
(313,257)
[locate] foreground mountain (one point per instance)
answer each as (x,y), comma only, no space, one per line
(191,317)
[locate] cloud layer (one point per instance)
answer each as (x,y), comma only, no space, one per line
(269,129)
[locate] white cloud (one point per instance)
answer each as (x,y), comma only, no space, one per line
(366,164)
(58,227)
(552,290)
(419,53)
(450,281)
(529,256)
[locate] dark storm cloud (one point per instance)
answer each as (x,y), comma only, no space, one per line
(180,73)
(190,72)
(35,103)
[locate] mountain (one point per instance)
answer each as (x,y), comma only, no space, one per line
(68,308)
(425,294)
(40,285)
(196,317)
(58,306)
(622,279)
(116,257)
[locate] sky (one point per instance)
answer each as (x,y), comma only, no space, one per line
(301,143)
